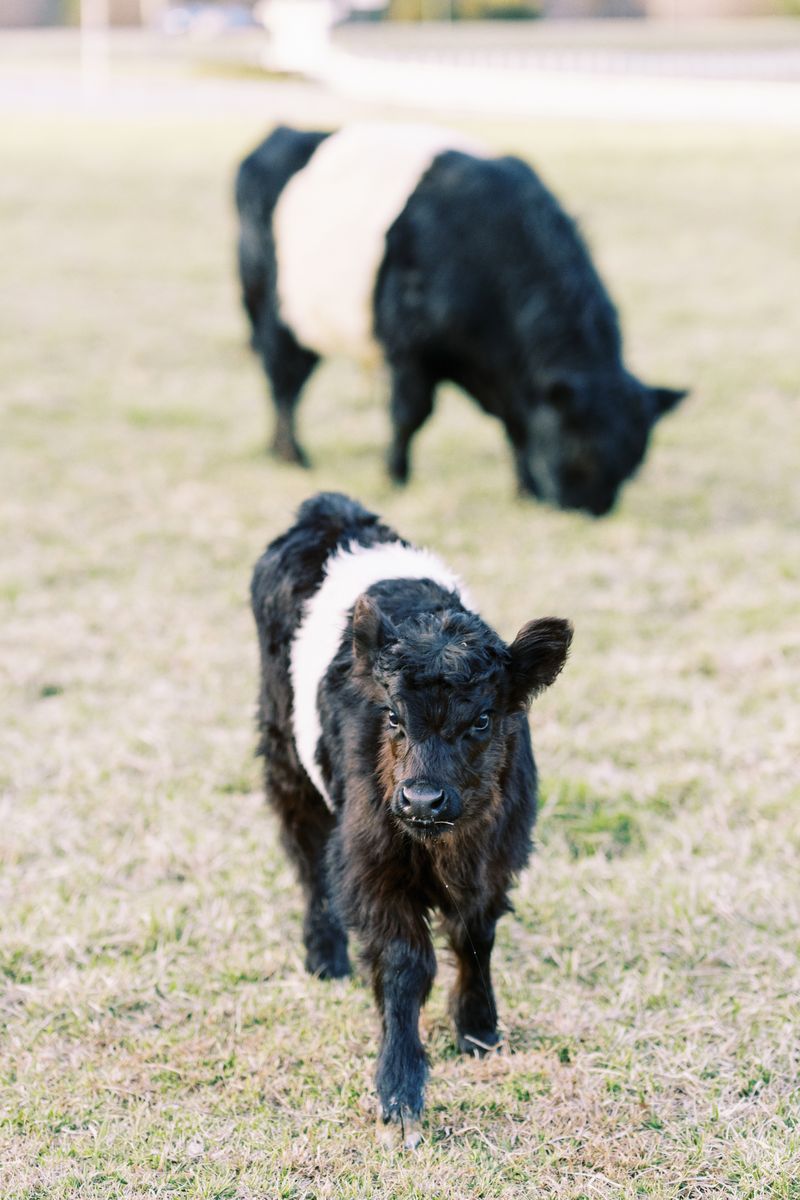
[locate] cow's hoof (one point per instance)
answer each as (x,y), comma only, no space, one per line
(480,1043)
(526,492)
(398,468)
(401,1131)
(289,452)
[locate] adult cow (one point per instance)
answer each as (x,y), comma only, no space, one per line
(411,244)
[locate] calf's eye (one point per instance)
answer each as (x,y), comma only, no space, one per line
(481,724)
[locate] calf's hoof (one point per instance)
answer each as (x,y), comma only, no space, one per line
(479,1043)
(399,1131)
(330,962)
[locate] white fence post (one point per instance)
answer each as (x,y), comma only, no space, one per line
(94,47)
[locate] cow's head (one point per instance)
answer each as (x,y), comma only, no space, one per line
(451,693)
(587,434)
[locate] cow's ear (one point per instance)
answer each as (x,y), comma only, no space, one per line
(538,653)
(663,399)
(371,631)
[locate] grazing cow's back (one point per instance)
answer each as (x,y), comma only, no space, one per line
(397,755)
(330,228)
(410,242)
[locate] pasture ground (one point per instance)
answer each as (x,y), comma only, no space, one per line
(160,1038)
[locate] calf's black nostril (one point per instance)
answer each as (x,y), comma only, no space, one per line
(423,797)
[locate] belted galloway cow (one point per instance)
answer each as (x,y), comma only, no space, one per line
(398,758)
(413,245)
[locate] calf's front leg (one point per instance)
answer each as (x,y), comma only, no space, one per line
(472,1003)
(402,974)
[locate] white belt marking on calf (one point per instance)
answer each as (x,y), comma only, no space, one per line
(330,226)
(350,571)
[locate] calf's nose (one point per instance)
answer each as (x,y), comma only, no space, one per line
(421,802)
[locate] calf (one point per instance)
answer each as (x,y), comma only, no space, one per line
(411,244)
(398,758)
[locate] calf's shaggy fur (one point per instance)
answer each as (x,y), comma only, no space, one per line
(398,758)
(412,244)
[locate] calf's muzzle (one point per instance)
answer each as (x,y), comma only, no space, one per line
(424,804)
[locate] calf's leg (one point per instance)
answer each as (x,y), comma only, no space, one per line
(472,1003)
(306,828)
(324,936)
(402,975)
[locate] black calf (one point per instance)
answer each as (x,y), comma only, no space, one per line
(398,757)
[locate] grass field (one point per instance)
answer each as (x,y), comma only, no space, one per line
(160,1036)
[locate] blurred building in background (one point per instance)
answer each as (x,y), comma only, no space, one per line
(230,13)
(20,14)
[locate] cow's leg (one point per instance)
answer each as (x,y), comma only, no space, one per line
(472,1003)
(402,974)
(288,366)
(412,403)
(306,827)
(518,436)
(526,484)
(252,275)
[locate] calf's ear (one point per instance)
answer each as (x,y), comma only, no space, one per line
(371,631)
(538,653)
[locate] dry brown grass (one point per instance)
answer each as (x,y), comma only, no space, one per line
(161,1038)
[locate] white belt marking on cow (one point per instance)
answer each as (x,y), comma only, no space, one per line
(330,226)
(351,570)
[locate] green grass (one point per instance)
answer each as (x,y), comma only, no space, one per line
(160,1037)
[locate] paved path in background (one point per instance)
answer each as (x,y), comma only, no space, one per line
(766,51)
(151,77)
(530,89)
(621,71)
(41,73)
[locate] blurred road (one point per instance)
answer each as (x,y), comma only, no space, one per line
(742,74)
(746,71)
